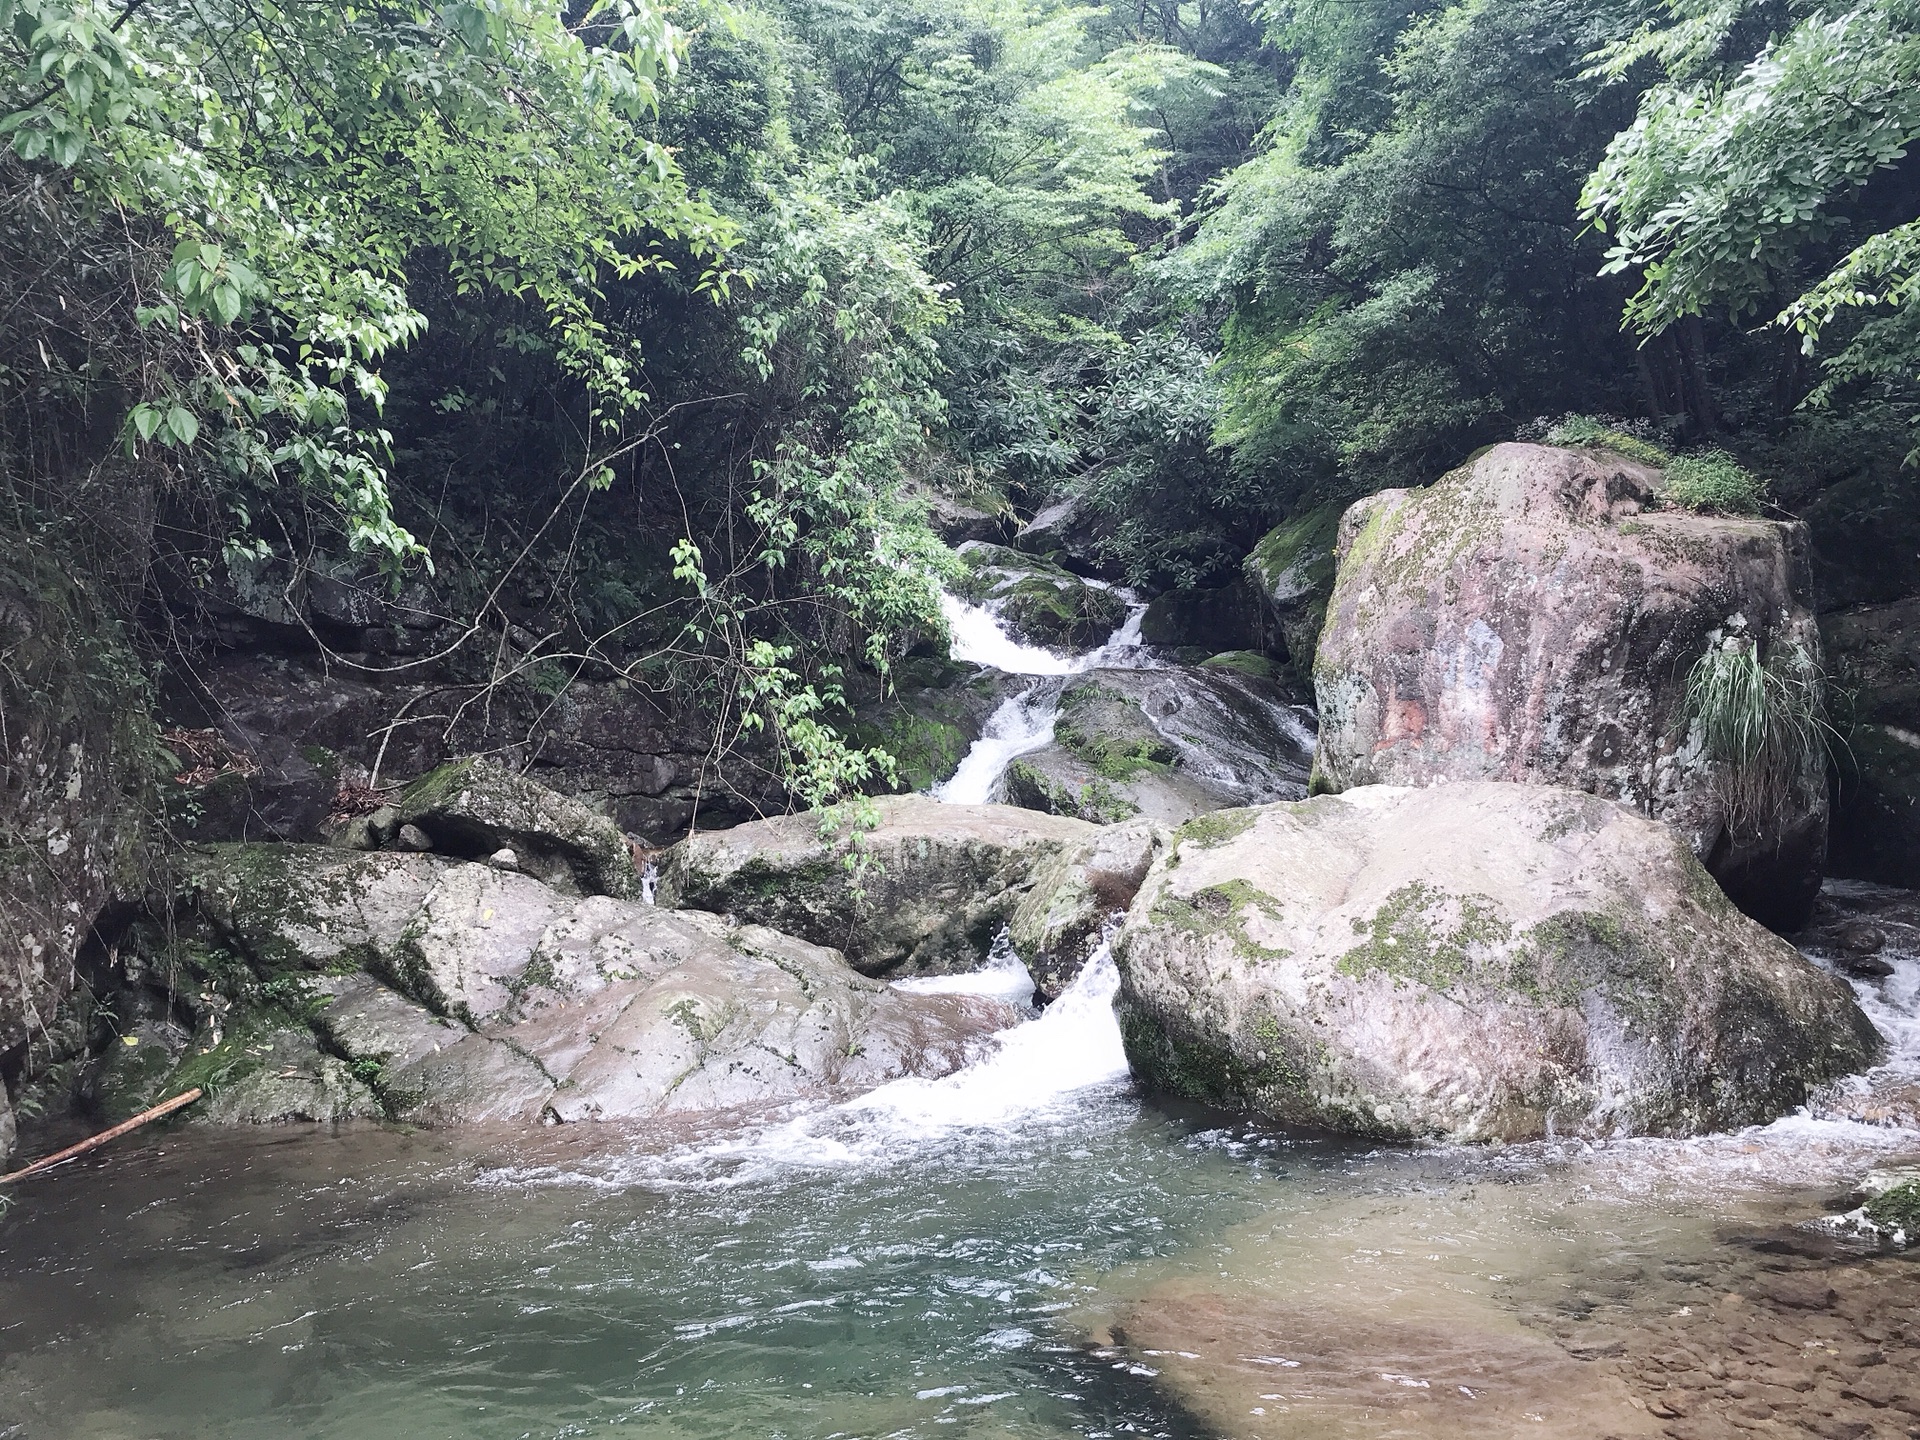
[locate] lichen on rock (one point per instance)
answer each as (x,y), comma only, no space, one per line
(1473,961)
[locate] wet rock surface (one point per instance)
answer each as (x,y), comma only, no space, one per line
(1076,896)
(1871,935)
(1039,602)
(1469,961)
(1166,744)
(925,890)
(1292,570)
(1533,617)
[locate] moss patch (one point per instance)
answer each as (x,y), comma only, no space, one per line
(1244,662)
(1424,936)
(1898,1209)
(1216,828)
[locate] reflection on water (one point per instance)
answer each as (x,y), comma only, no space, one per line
(1097,1269)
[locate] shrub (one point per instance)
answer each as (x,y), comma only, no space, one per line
(1587,432)
(1714,481)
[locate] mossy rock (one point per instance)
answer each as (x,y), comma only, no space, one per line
(474,807)
(1292,569)
(1241,662)
(1037,601)
(1897,1211)
(1471,962)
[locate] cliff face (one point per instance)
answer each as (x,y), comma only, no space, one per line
(77,757)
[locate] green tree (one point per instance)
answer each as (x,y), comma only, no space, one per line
(1774,180)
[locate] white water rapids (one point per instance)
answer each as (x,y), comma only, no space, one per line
(1024,722)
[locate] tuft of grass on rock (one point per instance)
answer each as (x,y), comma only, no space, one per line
(1714,481)
(1585,432)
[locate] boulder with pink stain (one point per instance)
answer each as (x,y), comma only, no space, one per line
(1532,617)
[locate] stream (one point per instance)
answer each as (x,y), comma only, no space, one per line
(1024,721)
(1027,1247)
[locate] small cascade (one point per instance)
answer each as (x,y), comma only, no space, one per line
(649,882)
(1024,722)
(1067,1057)
(1021,725)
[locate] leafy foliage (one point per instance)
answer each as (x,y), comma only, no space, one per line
(1736,180)
(1764,721)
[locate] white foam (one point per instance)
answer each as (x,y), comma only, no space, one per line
(1002,978)
(980,639)
(1021,725)
(1036,1069)
(1074,1044)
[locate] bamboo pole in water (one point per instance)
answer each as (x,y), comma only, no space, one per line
(165,1107)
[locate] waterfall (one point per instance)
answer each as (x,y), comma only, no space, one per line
(1024,722)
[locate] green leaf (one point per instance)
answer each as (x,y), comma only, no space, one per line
(182,425)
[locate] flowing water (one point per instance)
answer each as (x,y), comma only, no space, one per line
(1023,722)
(1023,1249)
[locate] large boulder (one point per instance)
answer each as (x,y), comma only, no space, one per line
(440,992)
(1072,533)
(1472,961)
(1874,653)
(1037,601)
(1534,617)
(1166,745)
(924,889)
(474,807)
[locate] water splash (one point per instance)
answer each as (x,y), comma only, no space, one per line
(1044,1070)
(1024,722)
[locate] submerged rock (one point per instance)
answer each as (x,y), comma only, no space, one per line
(475,808)
(1166,745)
(1532,617)
(924,890)
(1472,961)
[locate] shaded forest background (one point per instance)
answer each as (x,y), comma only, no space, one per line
(617,344)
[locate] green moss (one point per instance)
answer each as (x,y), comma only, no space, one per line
(1220,910)
(1898,1209)
(925,749)
(1245,662)
(242,1050)
(1424,936)
(1178,1064)
(1216,828)
(1296,558)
